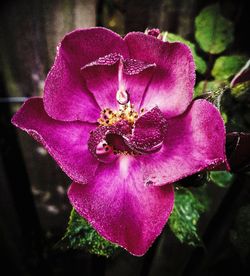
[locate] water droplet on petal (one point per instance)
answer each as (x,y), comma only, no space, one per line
(122,96)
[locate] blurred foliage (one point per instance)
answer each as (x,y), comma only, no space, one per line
(240,233)
(209,87)
(221,178)
(113,16)
(240,89)
(80,235)
(227,66)
(200,63)
(214,33)
(184,218)
(237,108)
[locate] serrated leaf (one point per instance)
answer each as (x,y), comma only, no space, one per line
(184,218)
(200,63)
(221,178)
(80,235)
(213,32)
(227,66)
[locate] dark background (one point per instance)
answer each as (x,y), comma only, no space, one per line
(34,208)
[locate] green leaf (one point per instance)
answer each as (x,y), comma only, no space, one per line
(208,87)
(80,234)
(241,90)
(227,66)
(184,218)
(200,63)
(213,32)
(221,178)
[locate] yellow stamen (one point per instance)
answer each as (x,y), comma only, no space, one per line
(126,112)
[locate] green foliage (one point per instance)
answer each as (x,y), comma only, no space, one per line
(184,218)
(241,89)
(80,234)
(200,63)
(209,88)
(236,106)
(227,66)
(221,178)
(214,33)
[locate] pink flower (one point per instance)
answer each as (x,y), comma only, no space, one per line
(118,117)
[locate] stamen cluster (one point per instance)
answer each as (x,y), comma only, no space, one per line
(126,112)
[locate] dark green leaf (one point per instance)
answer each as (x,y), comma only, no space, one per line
(80,235)
(213,32)
(200,63)
(221,178)
(184,218)
(227,66)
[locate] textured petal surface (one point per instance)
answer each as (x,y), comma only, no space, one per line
(136,84)
(121,208)
(194,141)
(66,97)
(65,141)
(149,131)
(171,87)
(102,79)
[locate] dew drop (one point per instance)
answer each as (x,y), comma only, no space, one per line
(122,96)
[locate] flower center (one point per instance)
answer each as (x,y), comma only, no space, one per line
(126,112)
(119,125)
(126,132)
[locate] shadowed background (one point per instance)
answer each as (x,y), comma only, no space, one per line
(34,207)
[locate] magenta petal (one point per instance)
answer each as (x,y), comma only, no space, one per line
(102,79)
(66,142)
(66,97)
(136,84)
(121,208)
(149,131)
(171,87)
(194,141)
